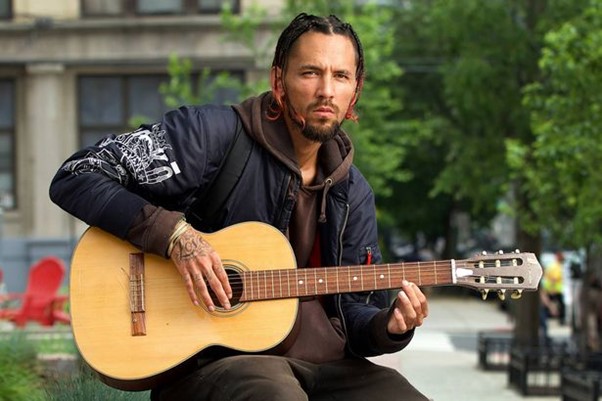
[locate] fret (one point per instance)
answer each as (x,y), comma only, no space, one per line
(435,272)
(374,274)
(280,282)
(315,281)
(303,281)
(321,281)
(288,282)
(272,274)
(361,274)
(250,277)
(337,280)
(389,274)
(419,278)
(349,277)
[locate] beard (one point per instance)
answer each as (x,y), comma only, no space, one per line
(315,132)
(320,134)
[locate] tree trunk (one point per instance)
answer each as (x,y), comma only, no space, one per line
(526,309)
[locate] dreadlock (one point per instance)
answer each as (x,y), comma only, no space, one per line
(303,23)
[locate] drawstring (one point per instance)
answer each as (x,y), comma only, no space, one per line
(327,184)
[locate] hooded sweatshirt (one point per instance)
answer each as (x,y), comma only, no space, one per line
(318,335)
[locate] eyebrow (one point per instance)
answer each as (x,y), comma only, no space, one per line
(315,67)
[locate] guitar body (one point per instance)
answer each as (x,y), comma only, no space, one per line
(175,329)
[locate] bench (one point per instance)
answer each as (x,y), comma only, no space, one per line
(536,370)
(494,349)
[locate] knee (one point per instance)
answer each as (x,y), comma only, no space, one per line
(264,378)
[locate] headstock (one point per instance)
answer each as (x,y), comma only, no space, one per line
(515,272)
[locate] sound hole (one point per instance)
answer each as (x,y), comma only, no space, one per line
(235,279)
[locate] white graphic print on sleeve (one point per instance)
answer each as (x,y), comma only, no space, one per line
(141,153)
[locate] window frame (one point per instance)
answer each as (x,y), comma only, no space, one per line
(11,130)
(9,13)
(130,8)
(125,78)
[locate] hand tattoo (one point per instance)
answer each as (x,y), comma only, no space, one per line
(189,245)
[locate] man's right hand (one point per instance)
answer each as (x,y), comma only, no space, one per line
(200,265)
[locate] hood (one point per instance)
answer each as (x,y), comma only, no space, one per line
(335,156)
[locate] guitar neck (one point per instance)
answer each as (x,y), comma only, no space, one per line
(294,283)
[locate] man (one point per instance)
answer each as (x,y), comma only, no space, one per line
(300,179)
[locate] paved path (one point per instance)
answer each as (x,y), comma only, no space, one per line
(442,359)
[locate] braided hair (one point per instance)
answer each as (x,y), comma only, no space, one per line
(330,25)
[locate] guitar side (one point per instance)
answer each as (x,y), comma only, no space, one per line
(176,330)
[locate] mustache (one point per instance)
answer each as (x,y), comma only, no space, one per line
(327,103)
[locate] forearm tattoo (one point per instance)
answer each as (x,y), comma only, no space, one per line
(189,245)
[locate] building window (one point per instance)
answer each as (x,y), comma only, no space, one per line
(113,104)
(119,8)
(6,9)
(103,8)
(7,144)
(160,7)
(215,6)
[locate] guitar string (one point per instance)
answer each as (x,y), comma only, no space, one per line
(428,273)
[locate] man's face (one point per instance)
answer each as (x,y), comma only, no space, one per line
(319,83)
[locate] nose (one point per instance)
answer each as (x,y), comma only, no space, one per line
(326,87)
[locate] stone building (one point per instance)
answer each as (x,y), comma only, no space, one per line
(73,70)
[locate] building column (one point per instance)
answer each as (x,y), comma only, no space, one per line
(47,95)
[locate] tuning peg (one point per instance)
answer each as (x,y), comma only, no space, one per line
(516,294)
(484,253)
(501,295)
(500,252)
(516,250)
(484,293)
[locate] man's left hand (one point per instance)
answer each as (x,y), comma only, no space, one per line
(409,311)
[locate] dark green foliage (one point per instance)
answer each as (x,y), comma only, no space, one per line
(87,387)
(19,378)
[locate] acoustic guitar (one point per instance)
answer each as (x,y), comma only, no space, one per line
(135,325)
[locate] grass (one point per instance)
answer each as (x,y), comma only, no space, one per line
(86,387)
(22,376)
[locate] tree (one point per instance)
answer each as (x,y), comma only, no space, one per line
(562,178)
(471,61)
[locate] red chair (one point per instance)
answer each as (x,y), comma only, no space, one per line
(40,302)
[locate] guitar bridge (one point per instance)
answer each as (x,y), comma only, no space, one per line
(138,315)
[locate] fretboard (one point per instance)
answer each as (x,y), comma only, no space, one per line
(293,283)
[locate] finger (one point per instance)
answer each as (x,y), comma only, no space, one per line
(199,283)
(417,301)
(397,323)
(221,274)
(217,288)
(189,283)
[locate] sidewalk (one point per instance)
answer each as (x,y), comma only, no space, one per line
(442,360)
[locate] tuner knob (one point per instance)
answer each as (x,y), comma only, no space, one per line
(500,252)
(501,294)
(484,294)
(517,250)
(484,253)
(516,294)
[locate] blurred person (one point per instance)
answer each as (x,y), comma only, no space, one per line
(553,288)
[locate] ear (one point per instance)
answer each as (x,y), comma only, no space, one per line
(276,81)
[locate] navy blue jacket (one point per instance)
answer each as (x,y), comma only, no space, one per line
(164,164)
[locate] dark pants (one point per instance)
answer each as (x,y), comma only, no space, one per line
(273,378)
